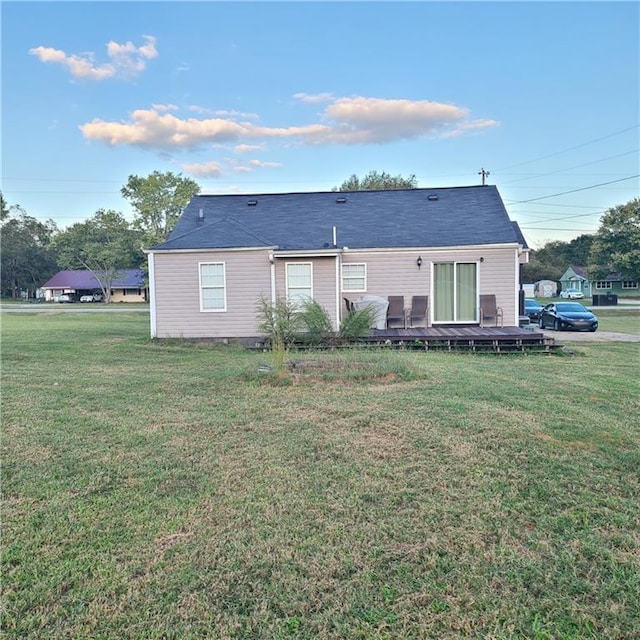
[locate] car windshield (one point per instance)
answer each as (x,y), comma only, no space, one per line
(570,307)
(531,303)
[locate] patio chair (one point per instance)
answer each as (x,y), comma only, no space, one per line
(395,312)
(490,312)
(350,306)
(418,313)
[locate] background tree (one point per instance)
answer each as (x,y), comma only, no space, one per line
(554,258)
(25,246)
(158,201)
(105,244)
(616,247)
(374,181)
(4,208)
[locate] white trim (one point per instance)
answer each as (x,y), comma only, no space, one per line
(337,290)
(210,249)
(448,249)
(224,286)
(153,321)
(321,253)
(272,264)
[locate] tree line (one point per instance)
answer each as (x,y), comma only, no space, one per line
(106,243)
(613,249)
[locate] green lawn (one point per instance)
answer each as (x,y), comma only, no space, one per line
(170,490)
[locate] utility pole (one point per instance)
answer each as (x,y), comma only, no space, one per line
(484,175)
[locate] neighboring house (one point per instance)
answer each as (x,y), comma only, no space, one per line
(576,278)
(128,286)
(228,252)
(615,283)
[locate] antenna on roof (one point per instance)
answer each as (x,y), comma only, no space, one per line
(484,175)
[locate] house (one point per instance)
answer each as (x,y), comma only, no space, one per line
(128,285)
(228,252)
(577,278)
(615,283)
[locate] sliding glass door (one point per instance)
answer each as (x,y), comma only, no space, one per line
(455,292)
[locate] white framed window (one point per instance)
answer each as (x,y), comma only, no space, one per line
(213,287)
(354,277)
(602,284)
(455,292)
(629,284)
(299,282)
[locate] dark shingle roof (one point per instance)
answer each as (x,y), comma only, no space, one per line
(439,217)
(84,279)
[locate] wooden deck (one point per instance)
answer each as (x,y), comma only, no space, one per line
(464,338)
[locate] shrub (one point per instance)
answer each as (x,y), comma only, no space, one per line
(316,323)
(356,324)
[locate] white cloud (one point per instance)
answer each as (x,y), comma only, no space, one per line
(126,60)
(313,98)
(470,127)
(203,170)
(248,148)
(165,107)
(264,165)
(345,121)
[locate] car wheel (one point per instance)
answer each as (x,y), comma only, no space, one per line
(592,329)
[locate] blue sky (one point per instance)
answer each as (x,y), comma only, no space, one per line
(270,97)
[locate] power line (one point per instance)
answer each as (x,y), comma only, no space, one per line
(584,144)
(593,186)
(577,166)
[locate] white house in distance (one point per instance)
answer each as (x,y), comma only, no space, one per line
(227,252)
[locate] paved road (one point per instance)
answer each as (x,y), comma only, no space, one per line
(74,308)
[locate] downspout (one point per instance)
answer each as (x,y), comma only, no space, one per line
(338,287)
(152,295)
(272,262)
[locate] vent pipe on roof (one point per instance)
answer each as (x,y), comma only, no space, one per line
(432,196)
(335,237)
(252,203)
(341,200)
(201,215)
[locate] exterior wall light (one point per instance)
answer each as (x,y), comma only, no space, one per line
(419,261)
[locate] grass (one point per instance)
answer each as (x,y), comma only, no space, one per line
(171,490)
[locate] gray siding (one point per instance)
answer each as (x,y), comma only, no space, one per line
(248,279)
(397,273)
(177,294)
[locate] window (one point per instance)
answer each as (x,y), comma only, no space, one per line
(455,292)
(601,284)
(354,277)
(299,282)
(213,291)
(629,284)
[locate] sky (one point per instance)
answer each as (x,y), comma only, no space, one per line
(275,97)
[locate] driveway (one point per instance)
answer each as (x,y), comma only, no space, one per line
(588,336)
